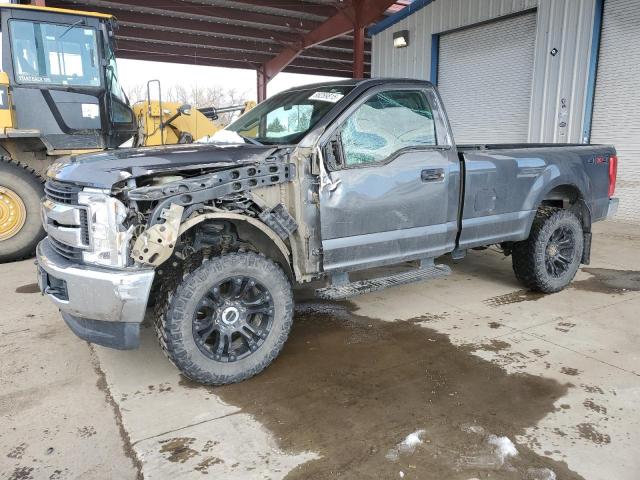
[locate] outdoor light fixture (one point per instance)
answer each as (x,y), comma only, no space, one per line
(401,39)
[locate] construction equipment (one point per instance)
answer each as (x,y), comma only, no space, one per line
(167,123)
(60,95)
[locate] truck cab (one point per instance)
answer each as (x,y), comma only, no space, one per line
(61,80)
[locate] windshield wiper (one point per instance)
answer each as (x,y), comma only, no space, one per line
(250,140)
(69,28)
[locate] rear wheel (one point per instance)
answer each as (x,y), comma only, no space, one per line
(548,260)
(228,319)
(20,225)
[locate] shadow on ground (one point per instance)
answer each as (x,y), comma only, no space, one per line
(352,388)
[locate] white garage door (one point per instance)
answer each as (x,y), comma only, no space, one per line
(616,111)
(484,77)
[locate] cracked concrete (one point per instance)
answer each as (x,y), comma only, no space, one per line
(453,357)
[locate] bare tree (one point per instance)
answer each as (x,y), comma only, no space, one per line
(196,96)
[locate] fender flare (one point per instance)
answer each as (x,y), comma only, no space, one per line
(238,218)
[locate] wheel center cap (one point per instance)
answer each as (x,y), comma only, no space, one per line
(552,250)
(230,315)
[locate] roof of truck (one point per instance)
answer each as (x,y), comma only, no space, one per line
(360,82)
(66,11)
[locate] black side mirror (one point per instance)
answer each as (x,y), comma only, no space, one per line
(185,109)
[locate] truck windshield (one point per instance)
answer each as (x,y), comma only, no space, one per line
(287,117)
(47,53)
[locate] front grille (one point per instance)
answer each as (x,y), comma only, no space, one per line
(67,251)
(62,192)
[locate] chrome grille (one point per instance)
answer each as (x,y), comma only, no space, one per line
(67,251)
(62,192)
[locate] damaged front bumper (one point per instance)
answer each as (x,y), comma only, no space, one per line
(100,305)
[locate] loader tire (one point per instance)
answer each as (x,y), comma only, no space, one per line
(21,191)
(228,319)
(548,260)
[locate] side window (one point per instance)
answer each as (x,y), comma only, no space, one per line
(387,122)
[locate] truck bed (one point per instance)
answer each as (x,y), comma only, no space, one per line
(514,146)
(504,184)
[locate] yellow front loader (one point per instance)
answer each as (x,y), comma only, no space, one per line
(168,123)
(60,95)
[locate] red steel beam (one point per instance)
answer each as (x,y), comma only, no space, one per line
(186,39)
(210,12)
(212,62)
(197,54)
(358,52)
(261,84)
(340,24)
(152,20)
(322,10)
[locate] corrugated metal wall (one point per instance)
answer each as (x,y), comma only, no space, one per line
(439,16)
(616,111)
(562,24)
(560,81)
(484,74)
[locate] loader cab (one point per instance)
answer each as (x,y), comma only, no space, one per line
(63,79)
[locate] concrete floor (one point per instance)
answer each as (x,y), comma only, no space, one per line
(459,362)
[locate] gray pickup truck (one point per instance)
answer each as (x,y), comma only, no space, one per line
(315,183)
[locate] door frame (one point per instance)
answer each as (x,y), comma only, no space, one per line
(445,145)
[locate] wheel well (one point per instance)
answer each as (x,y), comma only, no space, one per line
(569,197)
(264,245)
(214,236)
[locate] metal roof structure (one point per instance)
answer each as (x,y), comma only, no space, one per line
(319,37)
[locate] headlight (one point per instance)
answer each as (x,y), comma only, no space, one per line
(108,237)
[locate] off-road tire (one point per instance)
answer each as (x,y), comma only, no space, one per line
(528,256)
(29,187)
(174,323)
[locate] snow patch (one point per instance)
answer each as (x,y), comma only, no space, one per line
(406,446)
(222,136)
(504,448)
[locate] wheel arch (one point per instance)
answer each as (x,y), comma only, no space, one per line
(253,231)
(568,196)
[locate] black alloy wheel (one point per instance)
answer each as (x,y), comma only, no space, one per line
(233,319)
(559,253)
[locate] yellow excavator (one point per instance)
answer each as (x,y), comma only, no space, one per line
(60,95)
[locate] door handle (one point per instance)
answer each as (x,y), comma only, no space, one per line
(432,175)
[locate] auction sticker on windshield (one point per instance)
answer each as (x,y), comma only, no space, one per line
(332,97)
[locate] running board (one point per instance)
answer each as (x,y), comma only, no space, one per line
(352,289)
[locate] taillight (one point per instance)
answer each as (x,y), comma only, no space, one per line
(613,173)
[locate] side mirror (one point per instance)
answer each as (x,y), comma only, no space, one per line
(185,109)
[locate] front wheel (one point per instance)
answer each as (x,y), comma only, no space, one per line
(20,224)
(548,260)
(228,319)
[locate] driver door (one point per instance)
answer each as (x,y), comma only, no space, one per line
(390,189)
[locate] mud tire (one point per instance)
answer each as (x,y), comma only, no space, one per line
(528,256)
(29,187)
(174,323)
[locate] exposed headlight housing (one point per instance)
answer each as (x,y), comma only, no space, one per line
(109,237)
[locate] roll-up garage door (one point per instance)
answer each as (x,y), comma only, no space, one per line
(616,111)
(484,76)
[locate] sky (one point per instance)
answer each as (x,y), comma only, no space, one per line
(136,72)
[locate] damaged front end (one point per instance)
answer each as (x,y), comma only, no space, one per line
(164,206)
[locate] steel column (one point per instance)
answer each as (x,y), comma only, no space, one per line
(358,52)
(261,84)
